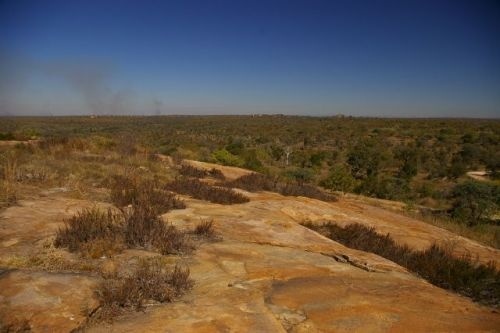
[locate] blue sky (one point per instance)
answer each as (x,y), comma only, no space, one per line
(375,58)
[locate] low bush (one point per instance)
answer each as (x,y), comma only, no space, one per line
(191,171)
(258,182)
(253,182)
(129,191)
(436,264)
(143,228)
(151,281)
(216,173)
(91,226)
(202,191)
(95,233)
(7,136)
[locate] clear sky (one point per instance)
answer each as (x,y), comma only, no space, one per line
(376,58)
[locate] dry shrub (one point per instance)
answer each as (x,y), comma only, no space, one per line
(191,171)
(253,182)
(173,241)
(436,264)
(151,281)
(143,228)
(92,231)
(205,228)
(216,173)
(130,191)
(199,190)
(257,182)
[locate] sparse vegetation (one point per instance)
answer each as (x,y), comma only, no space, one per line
(199,190)
(143,228)
(436,264)
(205,228)
(188,170)
(136,192)
(150,281)
(92,231)
(95,233)
(258,182)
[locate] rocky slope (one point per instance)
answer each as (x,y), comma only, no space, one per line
(267,274)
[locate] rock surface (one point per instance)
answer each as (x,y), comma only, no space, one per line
(51,302)
(268,274)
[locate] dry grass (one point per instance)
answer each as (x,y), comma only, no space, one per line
(95,233)
(92,232)
(257,182)
(9,171)
(152,281)
(436,264)
(143,228)
(202,191)
(205,229)
(191,171)
(132,191)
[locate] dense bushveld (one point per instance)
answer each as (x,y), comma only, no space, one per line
(420,161)
(436,264)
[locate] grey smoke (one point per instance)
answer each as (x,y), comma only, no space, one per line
(89,79)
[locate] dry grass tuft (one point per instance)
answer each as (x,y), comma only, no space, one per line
(95,233)
(205,229)
(130,191)
(92,232)
(152,281)
(143,228)
(202,191)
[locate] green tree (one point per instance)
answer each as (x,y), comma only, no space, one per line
(339,179)
(365,159)
(474,201)
(457,167)
(222,156)
(408,156)
(301,175)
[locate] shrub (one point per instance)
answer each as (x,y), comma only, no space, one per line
(144,228)
(253,182)
(216,173)
(339,179)
(95,233)
(199,190)
(7,136)
(258,182)
(91,225)
(127,191)
(151,281)
(224,157)
(436,264)
(474,201)
(191,171)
